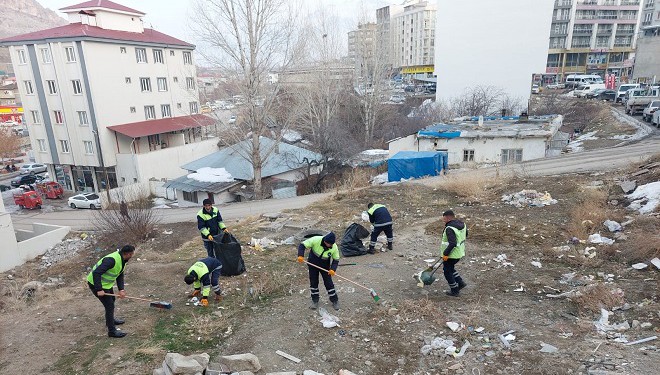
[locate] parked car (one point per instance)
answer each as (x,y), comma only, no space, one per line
(582,91)
(536,89)
(647,114)
(33,168)
(556,86)
(655,120)
(232,119)
(27,179)
(623,88)
(607,95)
(85,200)
(593,94)
(397,98)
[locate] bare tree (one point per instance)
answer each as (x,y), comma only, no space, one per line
(251,38)
(10,143)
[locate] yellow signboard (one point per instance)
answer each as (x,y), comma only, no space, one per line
(13,110)
(417,69)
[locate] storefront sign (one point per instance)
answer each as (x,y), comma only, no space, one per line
(418,69)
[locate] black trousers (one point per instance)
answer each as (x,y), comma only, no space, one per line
(377,230)
(109,306)
(208,245)
(314,278)
(451,275)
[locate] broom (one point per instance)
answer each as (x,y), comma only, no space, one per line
(373,293)
(156,304)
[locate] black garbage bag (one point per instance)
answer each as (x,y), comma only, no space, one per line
(351,243)
(228,252)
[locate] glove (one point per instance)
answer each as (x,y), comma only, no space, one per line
(301,259)
(196,292)
(210,238)
(204,301)
(445,258)
(331,272)
(226,230)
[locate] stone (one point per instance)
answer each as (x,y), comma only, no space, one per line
(345,372)
(271,215)
(158,371)
(282,373)
(214,372)
(241,362)
(455,366)
(202,359)
(310,372)
(180,364)
(628,186)
(31,288)
(166,369)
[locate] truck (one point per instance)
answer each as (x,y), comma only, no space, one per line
(636,104)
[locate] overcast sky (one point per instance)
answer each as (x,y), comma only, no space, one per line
(171,17)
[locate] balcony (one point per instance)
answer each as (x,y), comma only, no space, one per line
(563,3)
(582,32)
(630,2)
(604,31)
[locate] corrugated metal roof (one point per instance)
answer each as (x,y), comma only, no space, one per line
(163,125)
(189,185)
(96,4)
(234,159)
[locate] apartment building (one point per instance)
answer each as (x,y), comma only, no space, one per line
(647,56)
(362,52)
(593,36)
(107,101)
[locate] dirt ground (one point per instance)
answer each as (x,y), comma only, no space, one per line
(59,329)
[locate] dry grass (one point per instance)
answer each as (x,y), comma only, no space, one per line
(353,180)
(207,326)
(595,297)
(473,186)
(424,309)
(587,216)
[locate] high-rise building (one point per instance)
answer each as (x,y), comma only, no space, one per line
(362,50)
(647,56)
(593,36)
(108,102)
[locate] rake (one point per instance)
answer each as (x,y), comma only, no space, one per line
(156,304)
(373,293)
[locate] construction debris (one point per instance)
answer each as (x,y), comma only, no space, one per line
(529,198)
(287,356)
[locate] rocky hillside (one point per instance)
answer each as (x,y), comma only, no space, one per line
(24,16)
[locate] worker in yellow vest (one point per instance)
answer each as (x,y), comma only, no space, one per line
(453,249)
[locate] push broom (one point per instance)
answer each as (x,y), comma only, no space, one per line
(373,293)
(156,304)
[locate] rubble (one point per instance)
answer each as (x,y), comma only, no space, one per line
(531,198)
(612,226)
(63,251)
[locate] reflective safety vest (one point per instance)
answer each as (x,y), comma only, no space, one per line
(200,270)
(374,208)
(109,277)
(458,251)
(208,221)
(316,245)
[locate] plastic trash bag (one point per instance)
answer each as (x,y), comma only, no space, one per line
(328,320)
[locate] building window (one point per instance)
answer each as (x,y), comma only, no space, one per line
(513,155)
(45,56)
(178,105)
(70,54)
(36,119)
(190,83)
(149,112)
(141,55)
(64,145)
(171,53)
(128,79)
(59,117)
(132,109)
(193,108)
(42,145)
(190,196)
(468,155)
(158,56)
(165,110)
(22,59)
(162,83)
(77,87)
(29,90)
(89,147)
(145,84)
(82,118)
(52,87)
(122,49)
(187,58)
(175,79)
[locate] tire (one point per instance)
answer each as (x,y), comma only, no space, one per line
(73,205)
(39,206)
(92,207)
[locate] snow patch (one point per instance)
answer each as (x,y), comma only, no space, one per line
(375,152)
(208,174)
(645,198)
(642,130)
(576,144)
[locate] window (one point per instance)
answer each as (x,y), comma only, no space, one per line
(162,83)
(89,147)
(122,49)
(36,119)
(128,79)
(513,155)
(64,145)
(171,53)
(165,110)
(149,112)
(468,155)
(175,79)
(42,145)
(70,54)
(52,87)
(29,90)
(77,87)
(145,84)
(141,55)
(193,108)
(187,58)
(190,197)
(190,83)
(158,56)
(178,105)
(45,56)
(82,118)
(22,59)
(59,117)
(132,109)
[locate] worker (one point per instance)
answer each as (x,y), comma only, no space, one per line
(209,223)
(453,249)
(325,254)
(381,219)
(101,280)
(204,275)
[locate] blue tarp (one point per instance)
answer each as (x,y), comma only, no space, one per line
(407,164)
(439,131)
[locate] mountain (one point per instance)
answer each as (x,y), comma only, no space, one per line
(20,17)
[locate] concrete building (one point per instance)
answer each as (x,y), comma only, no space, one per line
(314,75)
(647,56)
(9,95)
(362,50)
(491,140)
(593,36)
(107,100)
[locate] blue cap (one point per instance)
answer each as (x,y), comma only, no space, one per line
(329,238)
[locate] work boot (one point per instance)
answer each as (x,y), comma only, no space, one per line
(461,285)
(116,333)
(453,292)
(335,305)
(314,305)
(372,250)
(389,246)
(119,321)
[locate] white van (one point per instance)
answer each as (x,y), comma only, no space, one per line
(585,89)
(621,91)
(575,80)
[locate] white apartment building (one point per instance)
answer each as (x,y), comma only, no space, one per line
(362,52)
(647,56)
(593,36)
(107,101)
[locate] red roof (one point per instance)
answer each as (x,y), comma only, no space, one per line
(164,125)
(78,30)
(95,4)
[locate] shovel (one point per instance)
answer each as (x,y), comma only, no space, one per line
(156,304)
(373,293)
(427,277)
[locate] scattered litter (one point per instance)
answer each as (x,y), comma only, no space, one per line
(547,348)
(328,320)
(531,198)
(504,341)
(503,260)
(639,266)
(510,337)
(440,343)
(379,179)
(642,340)
(365,216)
(603,325)
(463,349)
(520,289)
(168,232)
(656,262)
(479,329)
(536,264)
(612,226)
(597,238)
(454,326)
(287,356)
(262,243)
(426,349)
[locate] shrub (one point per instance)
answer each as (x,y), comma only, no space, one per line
(136,224)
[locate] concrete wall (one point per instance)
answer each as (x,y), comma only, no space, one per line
(647,58)
(134,192)
(9,249)
(31,245)
(223,197)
